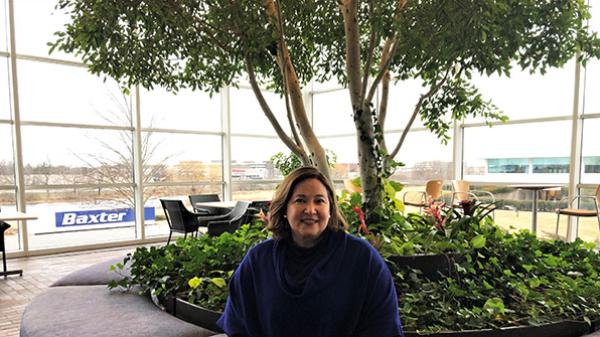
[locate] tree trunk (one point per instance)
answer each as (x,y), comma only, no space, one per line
(363,120)
(315,152)
(370,177)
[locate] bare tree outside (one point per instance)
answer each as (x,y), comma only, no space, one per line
(113,164)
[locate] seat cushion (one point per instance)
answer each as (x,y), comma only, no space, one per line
(96,311)
(576,212)
(97,274)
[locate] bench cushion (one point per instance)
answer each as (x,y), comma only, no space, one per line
(71,311)
(97,274)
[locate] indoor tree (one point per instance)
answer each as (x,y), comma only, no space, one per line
(365,45)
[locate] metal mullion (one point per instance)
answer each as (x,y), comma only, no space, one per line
(226,142)
(521,121)
(138,168)
(17,144)
(184,183)
(576,145)
(79,186)
(42,59)
(251,135)
(78,126)
(590,116)
(190,132)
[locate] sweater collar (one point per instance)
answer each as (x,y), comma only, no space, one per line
(325,271)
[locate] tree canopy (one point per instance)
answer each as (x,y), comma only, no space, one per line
(365,45)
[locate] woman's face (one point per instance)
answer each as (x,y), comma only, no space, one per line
(308,212)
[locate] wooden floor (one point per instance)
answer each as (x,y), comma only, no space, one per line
(38,273)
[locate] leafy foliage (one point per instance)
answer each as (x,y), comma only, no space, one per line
(287,163)
(197,269)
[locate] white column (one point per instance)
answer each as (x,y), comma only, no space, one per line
(226,141)
(17,145)
(575,164)
(457,151)
(138,169)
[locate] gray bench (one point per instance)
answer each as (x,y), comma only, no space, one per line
(80,304)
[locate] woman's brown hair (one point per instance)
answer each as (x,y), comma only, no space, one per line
(278,224)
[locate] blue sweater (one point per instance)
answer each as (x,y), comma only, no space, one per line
(350,293)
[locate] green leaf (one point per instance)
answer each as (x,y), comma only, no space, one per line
(195,282)
(478,242)
(494,305)
(219,282)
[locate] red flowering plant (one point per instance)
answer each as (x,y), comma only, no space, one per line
(362,226)
(436,213)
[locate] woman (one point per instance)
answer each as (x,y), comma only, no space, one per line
(312,279)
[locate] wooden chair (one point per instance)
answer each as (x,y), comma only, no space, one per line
(179,219)
(572,211)
(462,191)
(433,190)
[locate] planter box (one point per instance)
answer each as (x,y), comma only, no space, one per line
(557,329)
(197,315)
(433,266)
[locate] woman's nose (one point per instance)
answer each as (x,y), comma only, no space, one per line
(310,208)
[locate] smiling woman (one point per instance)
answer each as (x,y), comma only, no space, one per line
(312,278)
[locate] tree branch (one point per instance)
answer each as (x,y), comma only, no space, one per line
(267,110)
(370,50)
(434,88)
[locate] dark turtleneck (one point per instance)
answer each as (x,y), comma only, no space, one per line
(300,262)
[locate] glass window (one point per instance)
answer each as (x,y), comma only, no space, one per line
(247,117)
(78,97)
(424,156)
(590,168)
(7,169)
(504,153)
(592,69)
(332,113)
(403,97)
(54,155)
(35,24)
(5,112)
(185,110)
(80,216)
(251,158)
(551,165)
(251,191)
(8,202)
(508,165)
(591,164)
(176,157)
(152,195)
(346,152)
(328,85)
(3,26)
(526,95)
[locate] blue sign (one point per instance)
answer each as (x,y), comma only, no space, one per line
(100,216)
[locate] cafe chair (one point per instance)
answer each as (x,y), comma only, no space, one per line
(218,224)
(433,190)
(198,198)
(179,218)
(572,211)
(462,191)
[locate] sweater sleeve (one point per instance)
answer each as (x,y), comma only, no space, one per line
(239,317)
(380,316)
